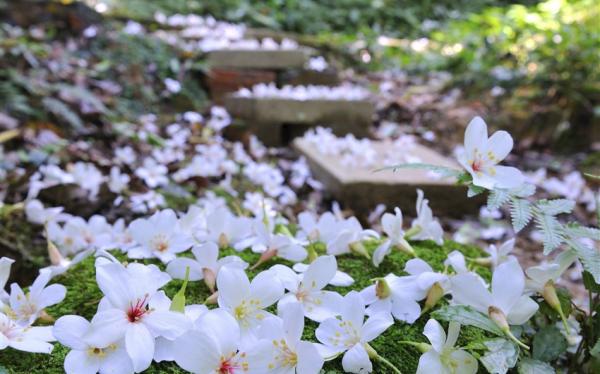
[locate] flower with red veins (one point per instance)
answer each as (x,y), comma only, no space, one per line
(481,156)
(128,311)
(216,347)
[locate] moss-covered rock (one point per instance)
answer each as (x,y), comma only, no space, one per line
(83,296)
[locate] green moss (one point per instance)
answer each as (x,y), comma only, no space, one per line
(83,296)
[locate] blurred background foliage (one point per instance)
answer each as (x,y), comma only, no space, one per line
(540,60)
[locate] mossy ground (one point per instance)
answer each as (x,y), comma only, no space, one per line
(83,296)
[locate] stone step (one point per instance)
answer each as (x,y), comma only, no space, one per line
(360,188)
(277,121)
(276,59)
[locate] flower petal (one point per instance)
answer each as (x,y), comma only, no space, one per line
(197,352)
(140,346)
(436,335)
(522,311)
(177,268)
(356,360)
(80,362)
(309,359)
(375,326)
(266,288)
(508,283)
(166,323)
(233,285)
(468,290)
(499,146)
(319,273)
(69,331)
(476,135)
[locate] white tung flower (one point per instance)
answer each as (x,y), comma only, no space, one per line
(216,347)
(443,357)
(27,307)
(159,236)
(246,301)
(127,311)
(307,289)
(481,155)
(28,339)
(87,357)
(290,354)
(350,334)
(426,226)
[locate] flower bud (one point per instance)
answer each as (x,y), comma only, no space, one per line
(212,299)
(435,293)
(209,278)
(312,254)
(223,241)
(405,247)
(497,315)
(483,261)
(264,257)
(382,289)
(53,253)
(549,294)
(359,249)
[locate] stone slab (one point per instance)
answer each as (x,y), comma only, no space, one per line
(277,59)
(305,77)
(222,82)
(277,121)
(361,189)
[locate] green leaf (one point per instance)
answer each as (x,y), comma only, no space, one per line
(178,302)
(474,190)
(466,315)
(520,212)
(531,366)
(595,351)
(501,356)
(589,282)
(548,344)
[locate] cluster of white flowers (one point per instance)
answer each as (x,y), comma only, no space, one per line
(19,310)
(362,153)
(303,93)
(266,44)
(136,323)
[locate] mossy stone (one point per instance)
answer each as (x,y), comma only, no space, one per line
(83,296)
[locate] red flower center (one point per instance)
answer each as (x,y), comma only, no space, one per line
(477,165)
(136,311)
(228,367)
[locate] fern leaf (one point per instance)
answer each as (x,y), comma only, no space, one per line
(589,256)
(520,212)
(577,231)
(554,207)
(443,171)
(62,111)
(497,198)
(551,231)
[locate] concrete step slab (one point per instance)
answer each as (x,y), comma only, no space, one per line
(360,188)
(277,121)
(277,59)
